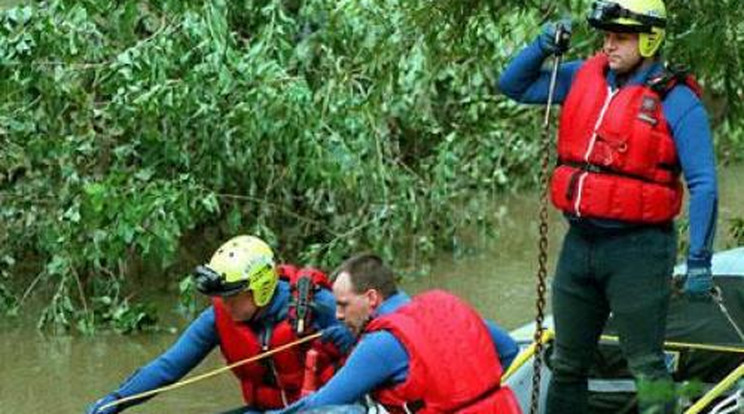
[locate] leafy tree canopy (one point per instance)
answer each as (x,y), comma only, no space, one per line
(131,130)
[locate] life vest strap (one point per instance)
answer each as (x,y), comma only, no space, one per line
(598,169)
(671,77)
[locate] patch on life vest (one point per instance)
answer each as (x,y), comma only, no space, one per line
(648,108)
(648,104)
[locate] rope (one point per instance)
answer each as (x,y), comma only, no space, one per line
(730,404)
(211,373)
(718,298)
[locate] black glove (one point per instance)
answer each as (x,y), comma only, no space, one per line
(555,37)
(698,283)
(339,335)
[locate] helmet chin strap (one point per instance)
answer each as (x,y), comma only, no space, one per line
(259,312)
(257,315)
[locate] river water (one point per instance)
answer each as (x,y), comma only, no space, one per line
(61,374)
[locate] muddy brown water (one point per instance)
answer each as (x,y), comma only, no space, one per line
(61,374)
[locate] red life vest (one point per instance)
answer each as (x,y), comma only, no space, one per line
(453,368)
(616,155)
(276,381)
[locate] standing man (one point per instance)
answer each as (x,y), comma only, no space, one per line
(255,308)
(429,354)
(628,129)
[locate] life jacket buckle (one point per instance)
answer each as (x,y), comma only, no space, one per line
(647,118)
(572,183)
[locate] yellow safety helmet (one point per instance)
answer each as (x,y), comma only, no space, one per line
(648,18)
(242,263)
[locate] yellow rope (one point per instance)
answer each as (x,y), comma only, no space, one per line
(525,355)
(210,373)
(689,345)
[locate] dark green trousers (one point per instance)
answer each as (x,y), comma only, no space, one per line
(625,271)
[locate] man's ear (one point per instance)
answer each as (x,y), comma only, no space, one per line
(374,297)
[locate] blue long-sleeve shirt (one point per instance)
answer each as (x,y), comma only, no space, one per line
(526,81)
(201,337)
(380,358)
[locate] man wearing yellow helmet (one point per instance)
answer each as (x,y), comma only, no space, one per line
(629,128)
(256,306)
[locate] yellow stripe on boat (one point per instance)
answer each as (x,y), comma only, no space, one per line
(689,345)
(716,391)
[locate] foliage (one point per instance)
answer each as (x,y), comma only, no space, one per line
(187,297)
(707,39)
(125,317)
(7,297)
(736,231)
(730,142)
(683,231)
(653,394)
(322,126)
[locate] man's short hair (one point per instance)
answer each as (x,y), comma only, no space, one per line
(368,271)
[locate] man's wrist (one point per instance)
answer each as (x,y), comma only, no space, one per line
(697,262)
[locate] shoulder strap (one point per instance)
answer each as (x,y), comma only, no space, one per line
(672,76)
(287,272)
(304,283)
(293,274)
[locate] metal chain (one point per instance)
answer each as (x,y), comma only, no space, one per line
(542,259)
(542,273)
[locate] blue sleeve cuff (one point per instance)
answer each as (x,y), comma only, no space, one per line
(698,262)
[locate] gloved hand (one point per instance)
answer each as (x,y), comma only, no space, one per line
(698,283)
(95,408)
(339,335)
(547,39)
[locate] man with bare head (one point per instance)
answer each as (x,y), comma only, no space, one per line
(409,349)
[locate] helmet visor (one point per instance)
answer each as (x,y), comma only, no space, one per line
(211,283)
(611,16)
